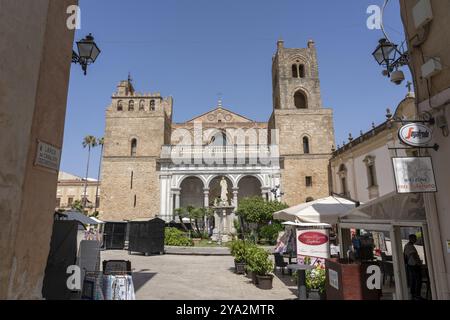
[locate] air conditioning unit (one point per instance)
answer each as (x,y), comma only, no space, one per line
(431,68)
(422,13)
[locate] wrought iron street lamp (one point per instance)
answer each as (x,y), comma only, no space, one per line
(388,55)
(88,52)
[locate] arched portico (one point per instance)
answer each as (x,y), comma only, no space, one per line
(181,187)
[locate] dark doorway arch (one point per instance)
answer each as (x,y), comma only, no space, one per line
(192,193)
(249,186)
(300,100)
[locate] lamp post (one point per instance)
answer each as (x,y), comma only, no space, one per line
(391,58)
(88,52)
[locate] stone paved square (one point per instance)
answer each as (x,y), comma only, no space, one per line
(184,277)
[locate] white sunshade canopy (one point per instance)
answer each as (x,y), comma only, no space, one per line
(327,210)
(390,207)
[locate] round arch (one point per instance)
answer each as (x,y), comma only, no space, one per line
(191,192)
(183,178)
(249,186)
(256,176)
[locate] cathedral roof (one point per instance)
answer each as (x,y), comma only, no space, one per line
(220,114)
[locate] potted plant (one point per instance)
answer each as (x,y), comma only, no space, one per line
(238,251)
(315,283)
(249,258)
(261,266)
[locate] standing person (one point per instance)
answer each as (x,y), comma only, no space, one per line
(356,242)
(414,267)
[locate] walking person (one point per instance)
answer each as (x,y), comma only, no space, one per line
(413,267)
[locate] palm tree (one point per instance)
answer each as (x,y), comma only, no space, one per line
(100,142)
(90,142)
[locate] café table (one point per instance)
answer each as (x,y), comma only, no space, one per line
(301,278)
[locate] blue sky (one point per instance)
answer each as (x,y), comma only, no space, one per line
(195,49)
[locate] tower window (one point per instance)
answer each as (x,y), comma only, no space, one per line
(300,100)
(302,71)
(309,181)
(120,106)
(135,201)
(294,71)
(133,147)
(131,180)
(152,105)
(306,149)
(298,70)
(142,105)
(131,106)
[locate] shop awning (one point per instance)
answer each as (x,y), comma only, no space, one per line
(327,210)
(390,207)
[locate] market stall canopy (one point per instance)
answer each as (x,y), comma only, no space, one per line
(78,216)
(326,210)
(393,207)
(97,220)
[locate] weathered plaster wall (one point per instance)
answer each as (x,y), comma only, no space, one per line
(35,55)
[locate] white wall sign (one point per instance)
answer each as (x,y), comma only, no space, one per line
(414,175)
(333,277)
(313,243)
(47,156)
(415,135)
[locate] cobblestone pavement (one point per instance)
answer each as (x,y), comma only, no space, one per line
(184,277)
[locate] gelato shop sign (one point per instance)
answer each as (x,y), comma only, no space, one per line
(415,135)
(313,238)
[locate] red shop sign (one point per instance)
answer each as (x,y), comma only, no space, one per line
(313,238)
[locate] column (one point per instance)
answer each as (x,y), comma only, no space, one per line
(265,193)
(206,197)
(206,205)
(235,198)
(164,211)
(177,193)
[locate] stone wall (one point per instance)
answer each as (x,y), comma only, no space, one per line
(119,189)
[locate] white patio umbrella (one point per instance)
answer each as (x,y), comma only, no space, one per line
(326,210)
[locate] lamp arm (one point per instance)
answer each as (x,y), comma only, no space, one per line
(75,57)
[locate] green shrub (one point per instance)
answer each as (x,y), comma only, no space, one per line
(177,238)
(258,261)
(257,210)
(270,232)
(238,250)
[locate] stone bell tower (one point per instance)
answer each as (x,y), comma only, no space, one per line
(137,126)
(305,128)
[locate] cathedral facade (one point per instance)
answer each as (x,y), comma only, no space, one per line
(152,166)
